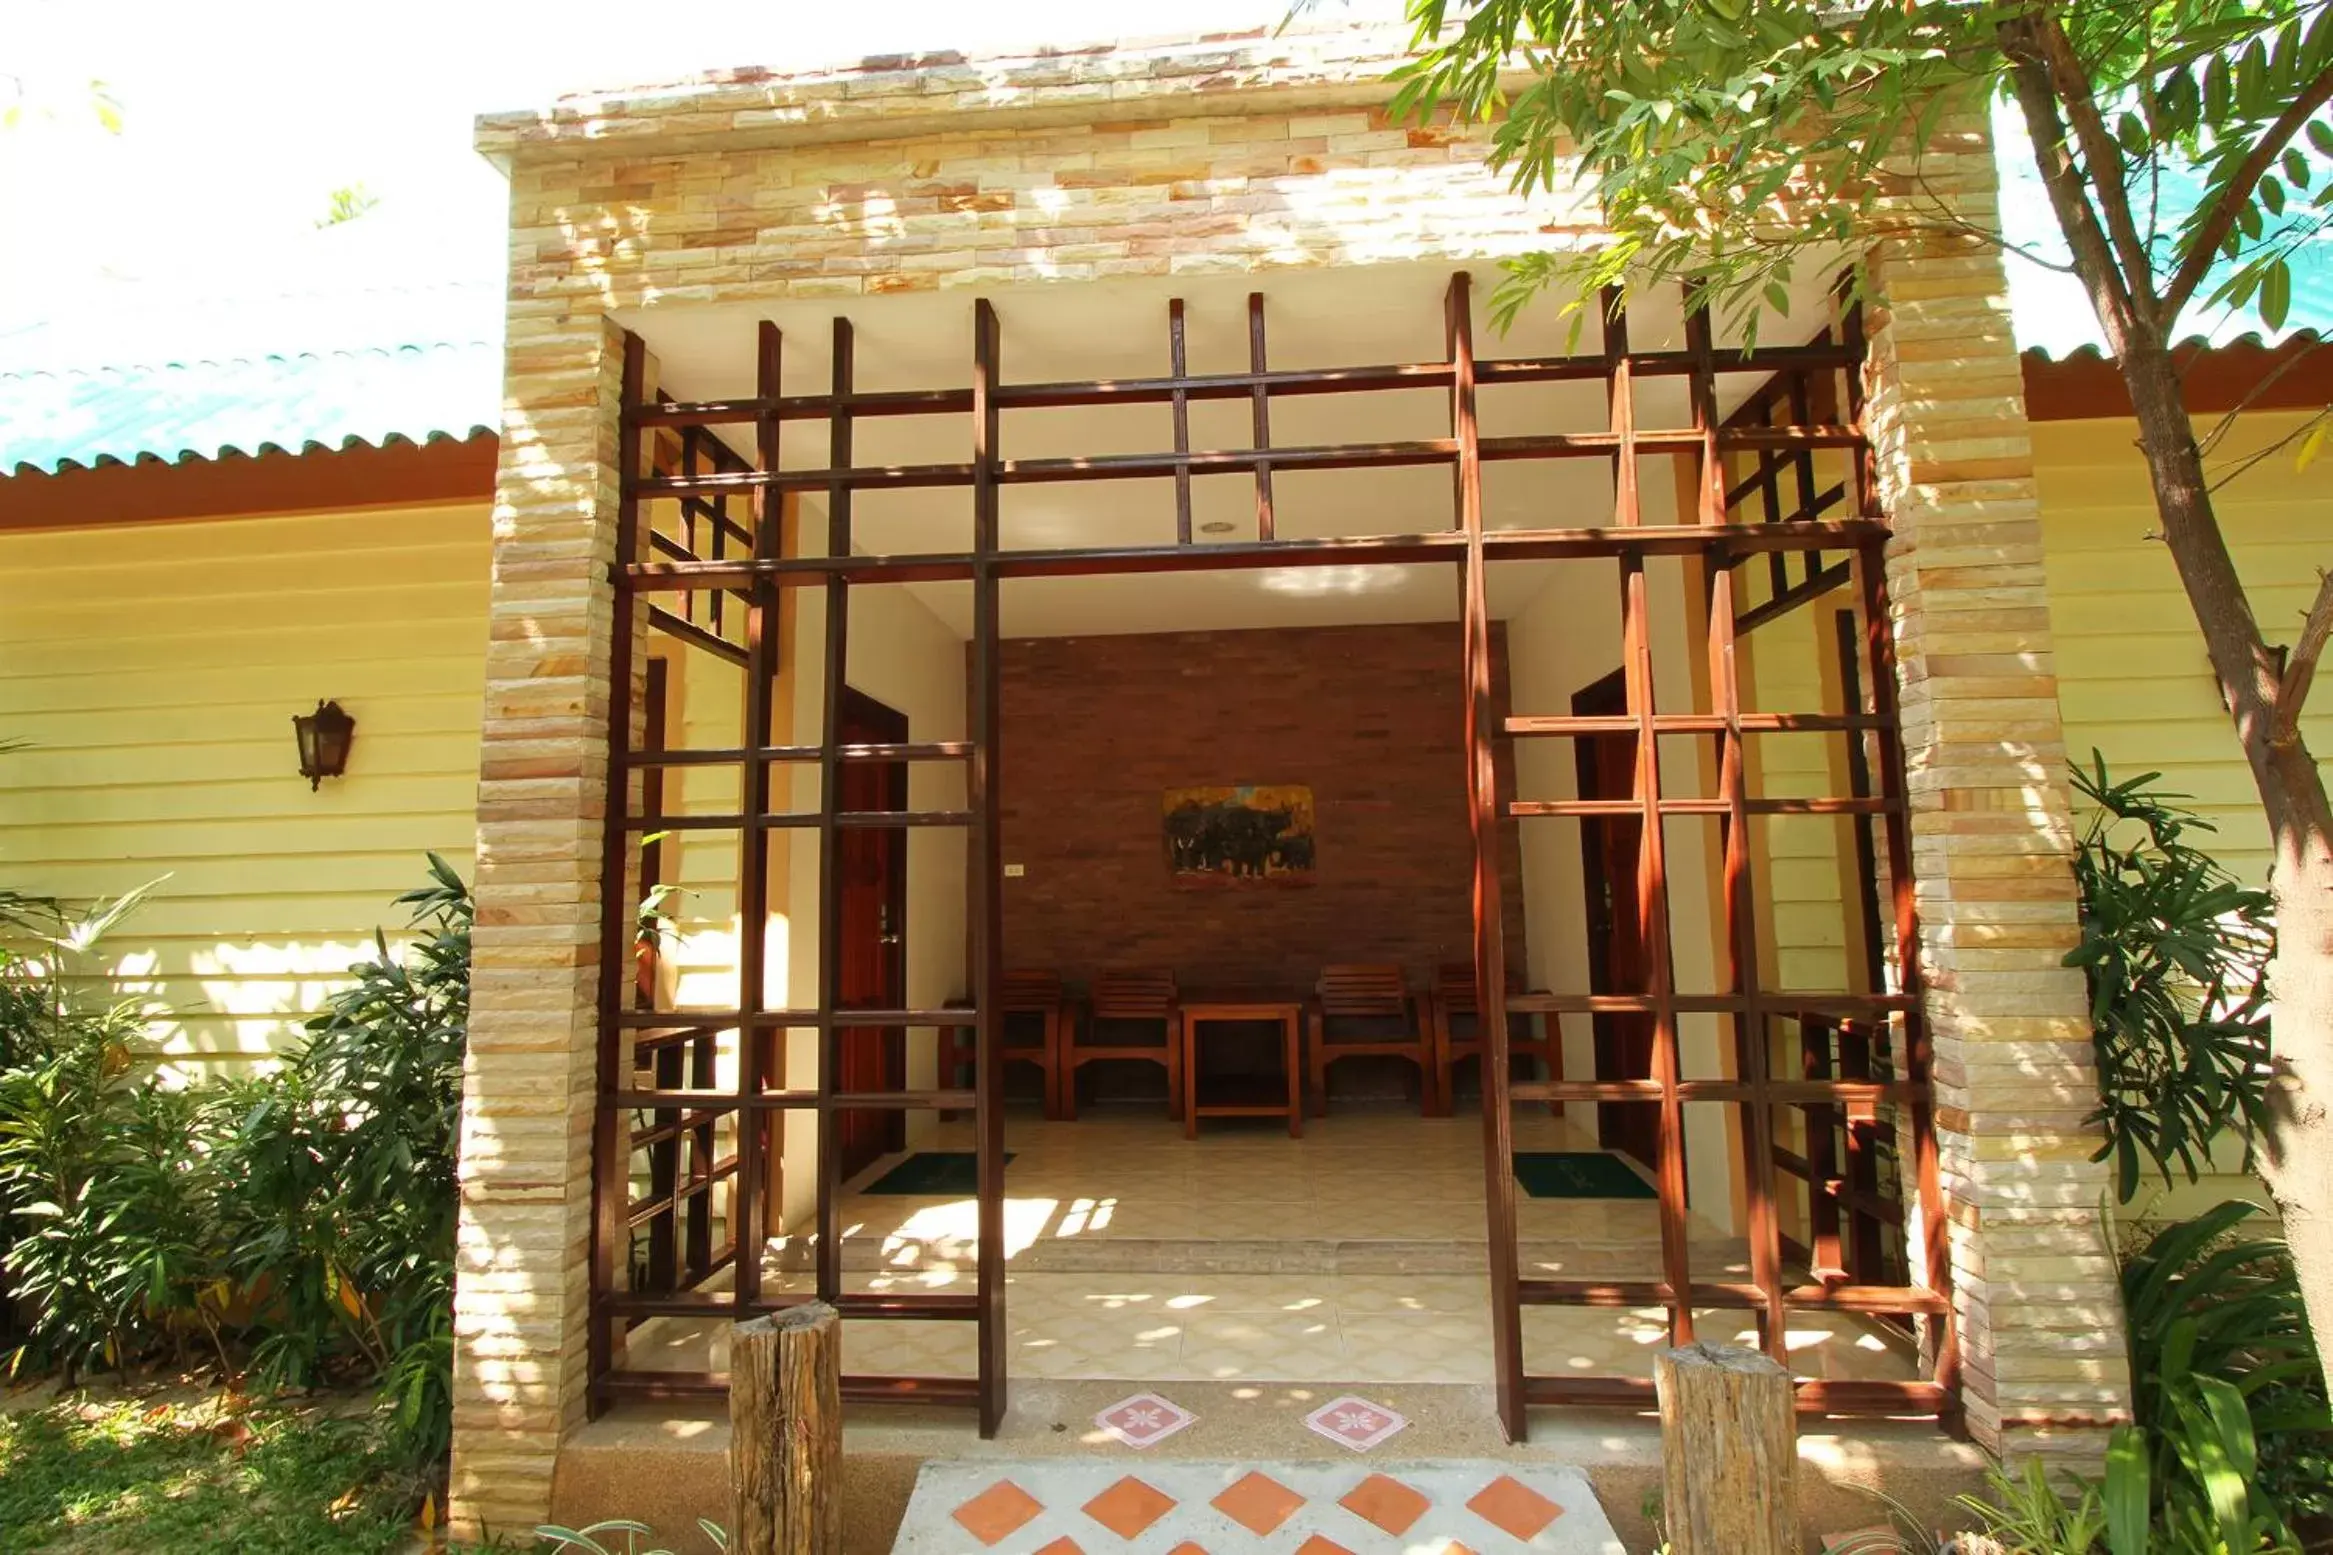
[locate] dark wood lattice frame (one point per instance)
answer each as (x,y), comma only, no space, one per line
(740,592)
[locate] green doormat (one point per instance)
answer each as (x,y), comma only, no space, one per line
(930,1172)
(1576,1174)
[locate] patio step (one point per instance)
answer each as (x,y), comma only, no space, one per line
(1295,1254)
(1055,1505)
(666,1465)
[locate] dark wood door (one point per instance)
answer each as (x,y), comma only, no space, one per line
(872,934)
(1610,847)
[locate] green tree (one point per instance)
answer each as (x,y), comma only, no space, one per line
(1735,143)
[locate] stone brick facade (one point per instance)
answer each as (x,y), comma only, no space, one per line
(1095,728)
(1247,155)
(1991,815)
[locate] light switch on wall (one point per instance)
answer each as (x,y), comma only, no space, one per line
(1015,871)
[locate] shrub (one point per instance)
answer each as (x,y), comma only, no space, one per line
(342,1197)
(2176,950)
(2226,1382)
(304,1218)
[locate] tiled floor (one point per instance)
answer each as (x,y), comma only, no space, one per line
(1366,1178)
(1065,1507)
(1352,1255)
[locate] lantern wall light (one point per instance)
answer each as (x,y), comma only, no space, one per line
(325,736)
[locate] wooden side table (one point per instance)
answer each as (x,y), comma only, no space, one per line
(1265,1100)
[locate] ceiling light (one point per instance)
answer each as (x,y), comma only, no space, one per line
(1217,526)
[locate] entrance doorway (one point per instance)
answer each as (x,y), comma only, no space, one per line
(872,934)
(1609,848)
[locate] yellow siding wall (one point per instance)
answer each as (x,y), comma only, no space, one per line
(2131,670)
(155,670)
(2132,677)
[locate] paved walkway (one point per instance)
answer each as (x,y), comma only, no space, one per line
(1120,1506)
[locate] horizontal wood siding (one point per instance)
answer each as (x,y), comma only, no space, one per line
(155,670)
(2132,675)
(2133,680)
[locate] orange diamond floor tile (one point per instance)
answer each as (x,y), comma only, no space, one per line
(1116,1504)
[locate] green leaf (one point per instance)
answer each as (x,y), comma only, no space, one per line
(2275,293)
(2128,1492)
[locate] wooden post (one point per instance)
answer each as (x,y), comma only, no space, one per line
(785,1425)
(1729,1451)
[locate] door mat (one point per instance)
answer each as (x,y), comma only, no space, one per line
(929,1172)
(1579,1174)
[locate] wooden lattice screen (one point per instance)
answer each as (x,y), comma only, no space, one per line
(1765,535)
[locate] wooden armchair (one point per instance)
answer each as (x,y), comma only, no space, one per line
(1032,1015)
(1120,1011)
(1363,1010)
(1456,1017)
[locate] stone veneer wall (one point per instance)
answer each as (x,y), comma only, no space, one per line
(2037,1293)
(1241,155)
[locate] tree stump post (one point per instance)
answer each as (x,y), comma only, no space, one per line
(785,1425)
(1729,1452)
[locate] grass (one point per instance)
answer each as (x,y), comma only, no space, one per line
(80,1476)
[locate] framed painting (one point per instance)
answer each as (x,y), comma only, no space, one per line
(1247,832)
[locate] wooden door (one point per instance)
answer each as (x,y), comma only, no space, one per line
(872,933)
(1609,851)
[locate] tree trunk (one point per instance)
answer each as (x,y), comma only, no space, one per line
(2298,1149)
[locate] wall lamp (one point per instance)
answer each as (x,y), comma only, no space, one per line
(325,736)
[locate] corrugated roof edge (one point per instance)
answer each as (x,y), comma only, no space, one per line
(2255,340)
(26,470)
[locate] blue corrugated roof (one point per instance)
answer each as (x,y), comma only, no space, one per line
(370,333)
(388,329)
(2050,312)
(55,421)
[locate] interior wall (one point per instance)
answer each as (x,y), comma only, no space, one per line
(1371,718)
(906,658)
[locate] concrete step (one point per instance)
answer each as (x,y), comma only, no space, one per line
(1049,1506)
(1294,1254)
(667,1464)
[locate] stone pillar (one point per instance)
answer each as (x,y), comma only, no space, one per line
(522,1283)
(1992,833)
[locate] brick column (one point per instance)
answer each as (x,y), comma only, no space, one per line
(523,1283)
(1992,833)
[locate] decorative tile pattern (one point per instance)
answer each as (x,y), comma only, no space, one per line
(1144,1420)
(1258,1503)
(1073,1505)
(997,1512)
(1511,1506)
(1385,1502)
(1129,1506)
(1355,1422)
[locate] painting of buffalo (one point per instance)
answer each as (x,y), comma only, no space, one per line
(1252,832)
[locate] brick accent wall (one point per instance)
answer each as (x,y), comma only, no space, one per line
(1371,718)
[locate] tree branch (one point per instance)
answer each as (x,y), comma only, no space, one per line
(2072,85)
(2093,260)
(2238,193)
(2301,668)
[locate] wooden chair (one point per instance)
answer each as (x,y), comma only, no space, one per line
(1357,1011)
(1034,1019)
(1456,1017)
(1126,1003)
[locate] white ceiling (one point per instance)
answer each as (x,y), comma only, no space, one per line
(1053,331)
